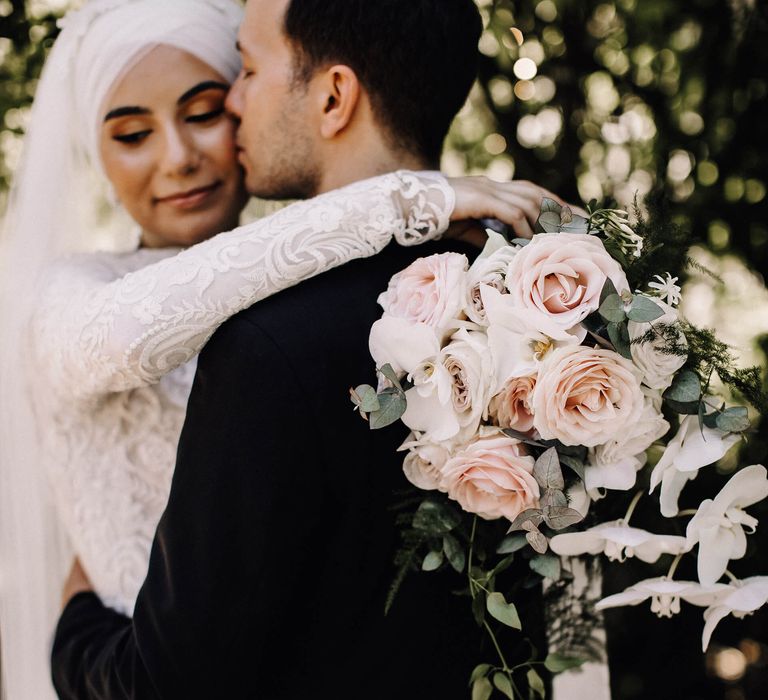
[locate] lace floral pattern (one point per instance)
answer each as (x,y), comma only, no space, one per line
(116,336)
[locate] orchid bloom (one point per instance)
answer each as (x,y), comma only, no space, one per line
(693,447)
(618,541)
(665,595)
(718,525)
(739,599)
(519,339)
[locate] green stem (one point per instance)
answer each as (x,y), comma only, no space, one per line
(687,512)
(731,576)
(632,507)
(505,667)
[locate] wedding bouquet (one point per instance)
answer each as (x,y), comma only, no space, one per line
(535,382)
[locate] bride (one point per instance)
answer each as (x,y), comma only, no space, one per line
(101,327)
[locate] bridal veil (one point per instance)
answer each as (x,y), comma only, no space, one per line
(56,207)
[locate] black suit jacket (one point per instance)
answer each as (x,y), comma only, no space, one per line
(271,563)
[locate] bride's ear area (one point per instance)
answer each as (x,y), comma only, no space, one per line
(338,91)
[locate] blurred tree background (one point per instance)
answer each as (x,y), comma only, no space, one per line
(602,99)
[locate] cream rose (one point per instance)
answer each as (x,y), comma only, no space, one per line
(430,290)
(492,477)
(511,407)
(488,270)
(423,464)
(586,396)
(658,367)
(562,275)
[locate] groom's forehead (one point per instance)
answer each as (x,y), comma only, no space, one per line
(264,19)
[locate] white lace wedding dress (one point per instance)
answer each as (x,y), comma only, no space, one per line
(115,339)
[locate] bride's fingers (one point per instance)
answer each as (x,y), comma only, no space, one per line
(518,213)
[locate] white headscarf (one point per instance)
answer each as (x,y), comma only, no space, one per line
(50,213)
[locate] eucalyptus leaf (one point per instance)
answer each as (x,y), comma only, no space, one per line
(691,408)
(454,552)
(480,671)
(560,517)
(503,684)
(734,420)
(503,611)
(481,689)
(366,398)
(389,373)
(549,204)
(609,290)
(432,562)
(392,405)
(533,515)
(644,310)
(577,224)
(522,242)
(686,388)
(619,335)
(548,222)
(535,683)
(523,437)
(546,565)
(574,464)
(612,309)
(504,564)
(435,518)
(511,543)
(547,471)
(478,607)
(556,663)
(552,498)
(535,538)
(707,419)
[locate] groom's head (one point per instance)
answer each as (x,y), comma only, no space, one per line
(336,90)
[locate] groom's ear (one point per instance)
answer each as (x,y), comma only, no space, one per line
(339,95)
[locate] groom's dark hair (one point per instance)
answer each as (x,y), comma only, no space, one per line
(417,59)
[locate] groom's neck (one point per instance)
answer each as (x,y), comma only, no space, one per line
(368,161)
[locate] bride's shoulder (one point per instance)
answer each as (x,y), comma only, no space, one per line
(100,266)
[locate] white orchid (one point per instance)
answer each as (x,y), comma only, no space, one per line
(692,447)
(519,338)
(718,526)
(402,344)
(618,541)
(665,595)
(741,598)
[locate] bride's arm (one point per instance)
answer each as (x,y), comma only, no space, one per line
(94,335)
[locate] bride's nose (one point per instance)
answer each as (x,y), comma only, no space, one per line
(180,156)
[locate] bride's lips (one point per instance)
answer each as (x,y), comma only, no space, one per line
(191,198)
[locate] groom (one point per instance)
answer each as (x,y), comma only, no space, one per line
(271,565)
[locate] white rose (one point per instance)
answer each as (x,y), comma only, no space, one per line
(658,367)
(423,464)
(452,390)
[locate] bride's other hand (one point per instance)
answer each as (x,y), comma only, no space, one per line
(516,203)
(77,582)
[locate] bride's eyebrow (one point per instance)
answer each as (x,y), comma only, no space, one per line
(125,112)
(202,87)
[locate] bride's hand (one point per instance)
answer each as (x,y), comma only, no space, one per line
(516,203)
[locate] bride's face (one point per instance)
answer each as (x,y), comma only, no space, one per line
(167,147)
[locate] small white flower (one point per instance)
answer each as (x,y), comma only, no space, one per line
(618,542)
(718,525)
(692,448)
(665,595)
(667,288)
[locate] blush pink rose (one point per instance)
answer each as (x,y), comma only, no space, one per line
(586,396)
(512,406)
(562,275)
(492,477)
(430,290)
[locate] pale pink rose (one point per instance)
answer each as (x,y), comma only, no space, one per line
(423,463)
(562,275)
(492,477)
(586,396)
(512,406)
(430,290)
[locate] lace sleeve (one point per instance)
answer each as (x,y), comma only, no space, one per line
(94,336)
